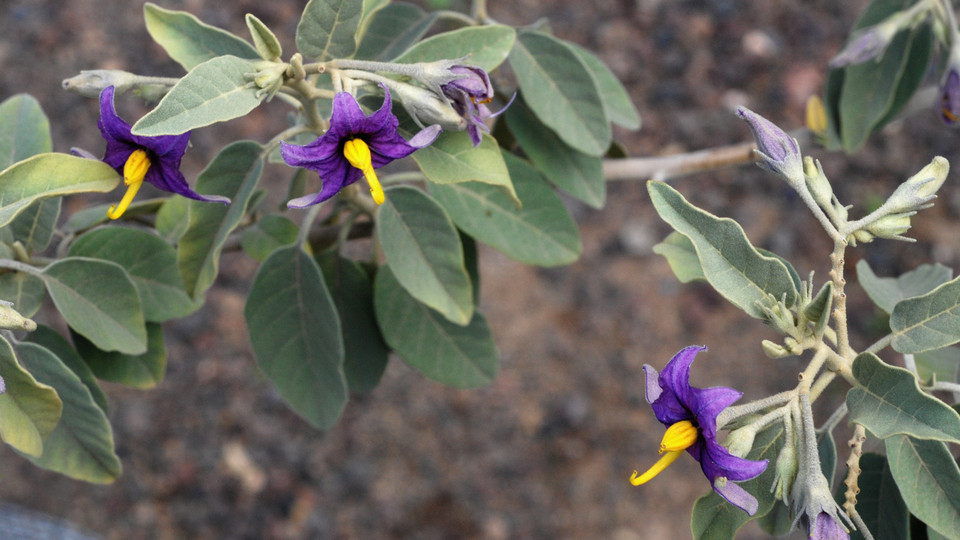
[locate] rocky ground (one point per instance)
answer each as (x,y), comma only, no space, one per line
(545,451)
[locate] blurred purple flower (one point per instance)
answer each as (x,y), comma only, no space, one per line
(950,97)
(865,44)
(352,148)
(3,386)
(470,94)
(825,527)
(141,158)
(779,152)
(679,406)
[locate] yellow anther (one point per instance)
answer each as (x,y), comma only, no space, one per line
(816,116)
(659,466)
(358,154)
(679,436)
(134,171)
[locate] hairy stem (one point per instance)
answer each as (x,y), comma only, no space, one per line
(853,470)
(21,267)
(733,413)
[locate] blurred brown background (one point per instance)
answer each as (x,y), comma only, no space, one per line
(546,450)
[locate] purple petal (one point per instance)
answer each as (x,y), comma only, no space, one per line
(169,178)
(950,98)
(707,405)
(825,527)
(653,384)
(111,125)
(717,461)
(738,497)
(80,152)
(425,137)
(347,118)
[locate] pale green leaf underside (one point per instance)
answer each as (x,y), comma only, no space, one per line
(929,481)
(29,410)
(328,28)
(886,292)
(927,322)
(190,41)
(483,46)
(680,254)
(453,158)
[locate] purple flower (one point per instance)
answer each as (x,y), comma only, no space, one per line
(470,94)
(865,44)
(779,152)
(140,158)
(950,97)
(690,415)
(352,148)
(3,386)
(826,527)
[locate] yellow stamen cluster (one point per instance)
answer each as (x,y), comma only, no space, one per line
(678,438)
(358,154)
(816,116)
(134,171)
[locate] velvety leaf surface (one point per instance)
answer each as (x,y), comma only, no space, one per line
(190,41)
(29,410)
(887,292)
(143,371)
(927,322)
(484,46)
(928,480)
(328,28)
(453,158)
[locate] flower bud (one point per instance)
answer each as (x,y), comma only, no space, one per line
(778,151)
(11,319)
(773,350)
(786,472)
(427,108)
(892,226)
(866,44)
(90,83)
(817,183)
(740,441)
(950,96)
(919,189)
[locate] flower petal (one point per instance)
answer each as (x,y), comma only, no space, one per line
(737,496)
(169,178)
(653,383)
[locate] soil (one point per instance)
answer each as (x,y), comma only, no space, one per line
(546,450)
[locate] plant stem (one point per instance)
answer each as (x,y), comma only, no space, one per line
(840,298)
(880,344)
(733,413)
(21,267)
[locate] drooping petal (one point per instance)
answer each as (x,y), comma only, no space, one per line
(707,403)
(169,178)
(653,389)
(717,461)
(737,496)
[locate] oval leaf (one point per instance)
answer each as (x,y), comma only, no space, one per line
(143,371)
(81,446)
(190,41)
(927,322)
(26,130)
(561,91)
(424,250)
(98,300)
(459,356)
(50,175)
(452,158)
(392,30)
(263,38)
(215,91)
(616,101)
(268,235)
(680,254)
(234,173)
(328,28)
(729,262)
(29,410)
(151,263)
(50,339)
(887,292)
(879,502)
(541,232)
(483,46)
(929,481)
(889,402)
(25,290)
(295,334)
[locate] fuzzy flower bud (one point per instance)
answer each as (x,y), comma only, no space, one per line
(774,350)
(90,83)
(11,319)
(817,183)
(892,226)
(740,441)
(919,189)
(787,467)
(950,89)
(778,151)
(871,42)
(428,108)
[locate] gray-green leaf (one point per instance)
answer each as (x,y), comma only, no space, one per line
(483,46)
(26,291)
(328,28)
(929,481)
(26,130)
(927,322)
(888,402)
(190,41)
(264,39)
(143,371)
(392,30)
(452,158)
(51,340)
(879,502)
(29,410)
(616,101)
(886,292)
(680,254)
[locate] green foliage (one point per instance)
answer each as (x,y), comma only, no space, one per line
(392,30)
(81,445)
(264,39)
(729,262)
(145,370)
(888,402)
(483,46)
(296,335)
(268,235)
(452,158)
(879,502)
(29,410)
(927,322)
(189,41)
(98,300)
(887,292)
(50,339)
(459,356)
(682,257)
(928,479)
(616,101)
(540,233)
(561,91)
(214,91)
(26,130)
(328,28)
(26,291)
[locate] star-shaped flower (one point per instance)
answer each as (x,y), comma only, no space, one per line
(469,95)
(690,415)
(352,148)
(140,158)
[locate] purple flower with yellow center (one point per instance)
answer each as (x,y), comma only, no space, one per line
(140,158)
(690,415)
(469,94)
(352,148)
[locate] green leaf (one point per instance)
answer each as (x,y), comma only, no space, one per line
(827,449)
(778,521)
(616,101)
(540,233)
(714,518)
(392,30)
(888,402)
(234,173)
(458,356)
(879,502)
(561,91)
(215,91)
(50,339)
(29,410)
(483,46)
(296,337)
(929,481)
(151,263)
(927,322)
(81,446)
(452,158)
(26,130)
(173,219)
(328,28)
(189,41)
(95,215)
(98,299)
(351,288)
(818,310)
(264,39)
(886,292)
(142,371)
(873,92)
(573,171)
(680,254)
(944,364)
(423,248)
(268,235)
(34,226)
(50,175)
(729,262)
(26,291)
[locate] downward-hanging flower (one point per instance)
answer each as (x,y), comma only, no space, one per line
(469,95)
(352,148)
(690,415)
(141,158)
